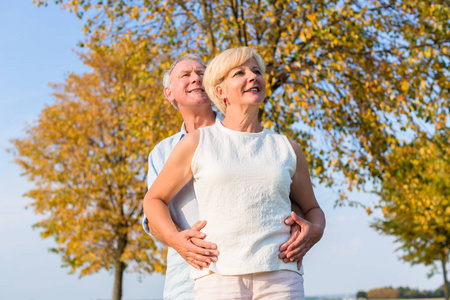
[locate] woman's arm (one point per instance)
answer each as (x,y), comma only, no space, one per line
(174,175)
(313,223)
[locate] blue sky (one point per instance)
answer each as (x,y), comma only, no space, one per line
(36,48)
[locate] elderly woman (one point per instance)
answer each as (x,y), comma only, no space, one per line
(244,177)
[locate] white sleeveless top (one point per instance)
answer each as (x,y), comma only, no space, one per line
(242,183)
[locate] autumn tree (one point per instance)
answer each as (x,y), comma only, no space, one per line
(346,79)
(86,155)
(415,197)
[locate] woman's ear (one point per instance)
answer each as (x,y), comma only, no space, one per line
(220,91)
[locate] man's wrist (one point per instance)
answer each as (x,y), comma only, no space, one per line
(172,239)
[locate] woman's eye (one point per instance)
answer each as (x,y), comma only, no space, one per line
(238,73)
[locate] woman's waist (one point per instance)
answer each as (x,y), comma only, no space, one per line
(239,262)
(242,241)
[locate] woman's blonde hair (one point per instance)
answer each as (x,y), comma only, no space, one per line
(221,65)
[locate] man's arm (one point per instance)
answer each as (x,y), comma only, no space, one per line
(307,220)
(192,247)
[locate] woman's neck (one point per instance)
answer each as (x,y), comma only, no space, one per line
(242,120)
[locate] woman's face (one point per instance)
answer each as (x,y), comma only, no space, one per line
(244,85)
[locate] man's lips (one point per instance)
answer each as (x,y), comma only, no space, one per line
(196,90)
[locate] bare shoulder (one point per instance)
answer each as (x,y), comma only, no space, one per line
(192,138)
(297,149)
(189,142)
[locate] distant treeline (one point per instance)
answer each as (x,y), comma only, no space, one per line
(401,292)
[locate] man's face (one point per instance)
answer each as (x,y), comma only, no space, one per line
(186,80)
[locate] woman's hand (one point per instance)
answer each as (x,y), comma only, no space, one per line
(304,235)
(190,244)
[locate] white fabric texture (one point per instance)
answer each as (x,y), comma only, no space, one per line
(242,183)
(274,285)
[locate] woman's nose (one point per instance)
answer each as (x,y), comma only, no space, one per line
(251,76)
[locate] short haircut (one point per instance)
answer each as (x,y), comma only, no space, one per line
(221,65)
(167,83)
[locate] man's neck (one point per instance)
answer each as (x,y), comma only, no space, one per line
(198,118)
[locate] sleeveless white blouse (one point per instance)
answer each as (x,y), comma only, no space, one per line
(242,183)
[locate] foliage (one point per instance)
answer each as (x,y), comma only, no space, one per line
(87,154)
(416,200)
(348,79)
(401,293)
(361,295)
(383,293)
(440,291)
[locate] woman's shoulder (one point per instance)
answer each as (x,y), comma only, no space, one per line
(290,142)
(192,137)
(282,136)
(188,143)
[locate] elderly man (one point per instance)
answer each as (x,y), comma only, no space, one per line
(183,88)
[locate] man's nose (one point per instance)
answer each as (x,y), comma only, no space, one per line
(196,78)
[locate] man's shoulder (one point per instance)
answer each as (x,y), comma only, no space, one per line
(161,152)
(167,143)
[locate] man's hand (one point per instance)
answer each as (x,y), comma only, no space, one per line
(190,244)
(304,235)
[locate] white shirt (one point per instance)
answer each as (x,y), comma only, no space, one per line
(184,211)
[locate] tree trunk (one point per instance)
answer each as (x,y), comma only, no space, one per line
(119,269)
(118,280)
(444,270)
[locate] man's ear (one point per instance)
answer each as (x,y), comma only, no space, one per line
(168,94)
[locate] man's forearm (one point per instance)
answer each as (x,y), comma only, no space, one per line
(159,236)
